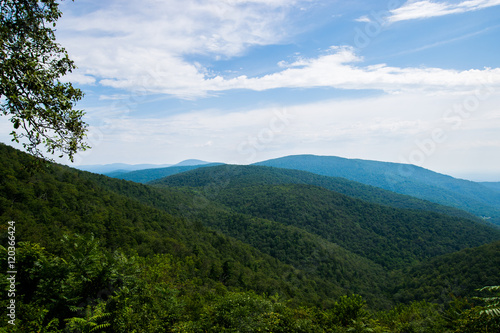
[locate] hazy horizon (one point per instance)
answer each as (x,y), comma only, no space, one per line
(476,177)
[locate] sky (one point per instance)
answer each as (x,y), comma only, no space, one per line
(241,81)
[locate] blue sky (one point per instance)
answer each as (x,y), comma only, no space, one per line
(240,81)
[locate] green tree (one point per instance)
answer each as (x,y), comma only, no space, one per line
(31,65)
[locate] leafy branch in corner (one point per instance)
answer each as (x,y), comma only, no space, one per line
(41,107)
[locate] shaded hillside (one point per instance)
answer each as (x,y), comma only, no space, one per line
(388,236)
(46,205)
(401,178)
(330,267)
(457,274)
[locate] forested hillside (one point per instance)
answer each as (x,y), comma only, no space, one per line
(455,274)
(388,236)
(237,175)
(401,178)
(106,255)
(48,204)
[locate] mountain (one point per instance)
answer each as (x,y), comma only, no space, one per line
(48,204)
(118,167)
(147,175)
(149,221)
(191,162)
(390,237)
(224,248)
(401,178)
(260,175)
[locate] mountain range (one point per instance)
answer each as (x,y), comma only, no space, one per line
(116,169)
(367,229)
(492,185)
(479,199)
(184,242)
(402,178)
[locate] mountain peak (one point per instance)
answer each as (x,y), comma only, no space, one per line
(191,162)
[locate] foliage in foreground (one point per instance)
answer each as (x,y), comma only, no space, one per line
(40,106)
(86,288)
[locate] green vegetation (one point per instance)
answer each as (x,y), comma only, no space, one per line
(390,237)
(96,254)
(457,274)
(261,175)
(39,105)
(402,178)
(90,289)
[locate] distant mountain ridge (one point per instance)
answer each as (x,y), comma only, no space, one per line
(147,175)
(390,237)
(492,185)
(479,199)
(191,162)
(401,178)
(118,167)
(115,169)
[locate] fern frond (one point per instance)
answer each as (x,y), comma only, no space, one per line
(100,327)
(492,312)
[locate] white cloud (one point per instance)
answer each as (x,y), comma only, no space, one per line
(79,78)
(146,46)
(364,18)
(421,9)
(382,128)
(125,44)
(337,70)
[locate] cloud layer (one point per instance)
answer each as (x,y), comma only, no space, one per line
(338,69)
(190,49)
(390,127)
(150,46)
(425,9)
(130,44)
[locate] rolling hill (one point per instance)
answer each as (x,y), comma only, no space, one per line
(57,201)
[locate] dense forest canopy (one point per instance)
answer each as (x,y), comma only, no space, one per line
(101,254)
(402,178)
